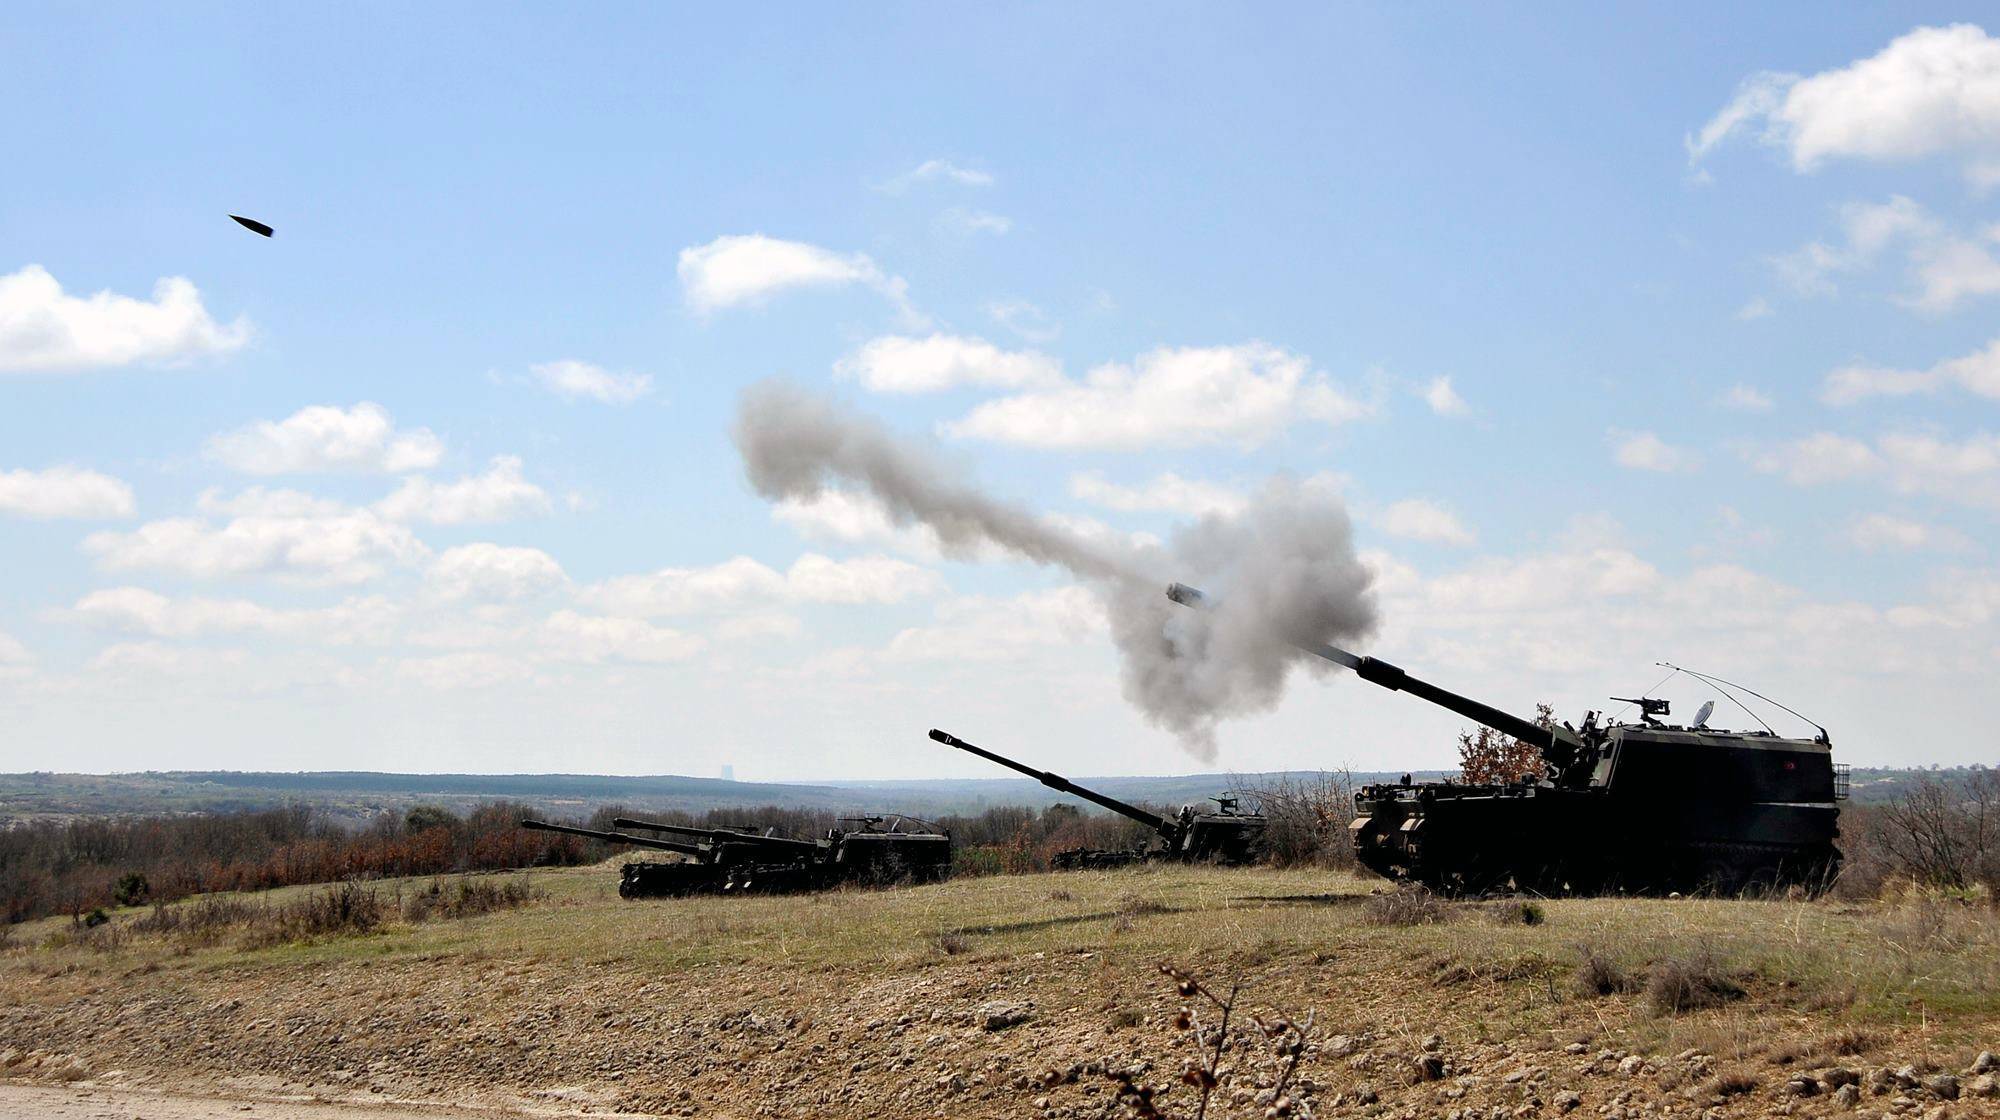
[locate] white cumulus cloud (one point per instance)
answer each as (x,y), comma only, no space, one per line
(1960,470)
(1977,372)
(741,582)
(935,169)
(44,330)
(736,270)
(1419,520)
(492,571)
(501,494)
(1932,91)
(348,547)
(900,364)
(1882,532)
(1243,395)
(1747,398)
(577,380)
(568,635)
(1167,492)
(139,610)
(64,492)
(327,438)
(1646,451)
(1443,399)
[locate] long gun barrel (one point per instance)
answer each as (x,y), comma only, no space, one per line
(1056,781)
(716,835)
(615,837)
(1557,744)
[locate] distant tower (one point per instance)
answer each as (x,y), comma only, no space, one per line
(728,773)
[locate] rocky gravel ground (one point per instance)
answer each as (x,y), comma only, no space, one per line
(976,1038)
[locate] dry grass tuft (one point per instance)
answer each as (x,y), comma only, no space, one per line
(1598,975)
(1733,1084)
(1677,985)
(950,943)
(1411,906)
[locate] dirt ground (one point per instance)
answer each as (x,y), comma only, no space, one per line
(1025,996)
(70,1102)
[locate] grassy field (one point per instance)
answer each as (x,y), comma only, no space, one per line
(811,1005)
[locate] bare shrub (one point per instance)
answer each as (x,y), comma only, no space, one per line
(1677,985)
(1942,833)
(1410,906)
(1733,1084)
(1599,975)
(343,909)
(201,920)
(1260,1073)
(466,898)
(950,942)
(1307,819)
(1061,895)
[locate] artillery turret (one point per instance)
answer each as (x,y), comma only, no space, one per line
(1646,807)
(1222,835)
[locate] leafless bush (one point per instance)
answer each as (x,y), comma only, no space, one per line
(1941,833)
(465,898)
(1677,985)
(1307,820)
(203,919)
(346,908)
(1410,906)
(1266,1051)
(950,942)
(1599,975)
(1730,1085)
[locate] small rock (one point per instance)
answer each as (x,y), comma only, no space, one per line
(1802,1087)
(1836,1077)
(1631,1065)
(1942,1085)
(1433,1044)
(1430,1067)
(1986,1062)
(1576,1048)
(1907,1077)
(1568,1102)
(1000,1016)
(1366,1095)
(1847,1096)
(1042,1102)
(1985,1085)
(1339,1046)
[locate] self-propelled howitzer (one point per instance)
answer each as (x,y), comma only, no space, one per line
(1223,835)
(1645,807)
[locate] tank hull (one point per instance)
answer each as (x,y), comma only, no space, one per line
(1473,839)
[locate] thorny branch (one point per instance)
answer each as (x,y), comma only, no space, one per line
(1288,1040)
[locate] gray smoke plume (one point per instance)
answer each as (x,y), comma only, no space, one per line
(1283,571)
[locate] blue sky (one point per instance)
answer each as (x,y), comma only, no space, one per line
(1627,335)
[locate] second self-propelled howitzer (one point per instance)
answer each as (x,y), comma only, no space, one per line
(1645,807)
(1221,835)
(879,850)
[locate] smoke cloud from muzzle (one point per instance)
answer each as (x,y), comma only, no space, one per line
(1283,571)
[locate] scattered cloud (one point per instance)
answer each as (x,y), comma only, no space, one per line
(1419,520)
(323,438)
(1747,398)
(138,610)
(42,330)
(492,571)
(1443,399)
(13,655)
(1965,471)
(979,628)
(1645,451)
(470,669)
(739,270)
(1025,319)
(501,494)
(344,548)
(1943,267)
(1932,91)
(256,501)
(899,364)
(932,170)
(849,517)
(575,380)
(64,492)
(568,635)
(1882,532)
(961,222)
(1166,493)
(745,582)
(1757,308)
(1977,372)
(1243,395)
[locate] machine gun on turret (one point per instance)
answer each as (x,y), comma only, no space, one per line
(1643,807)
(1223,835)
